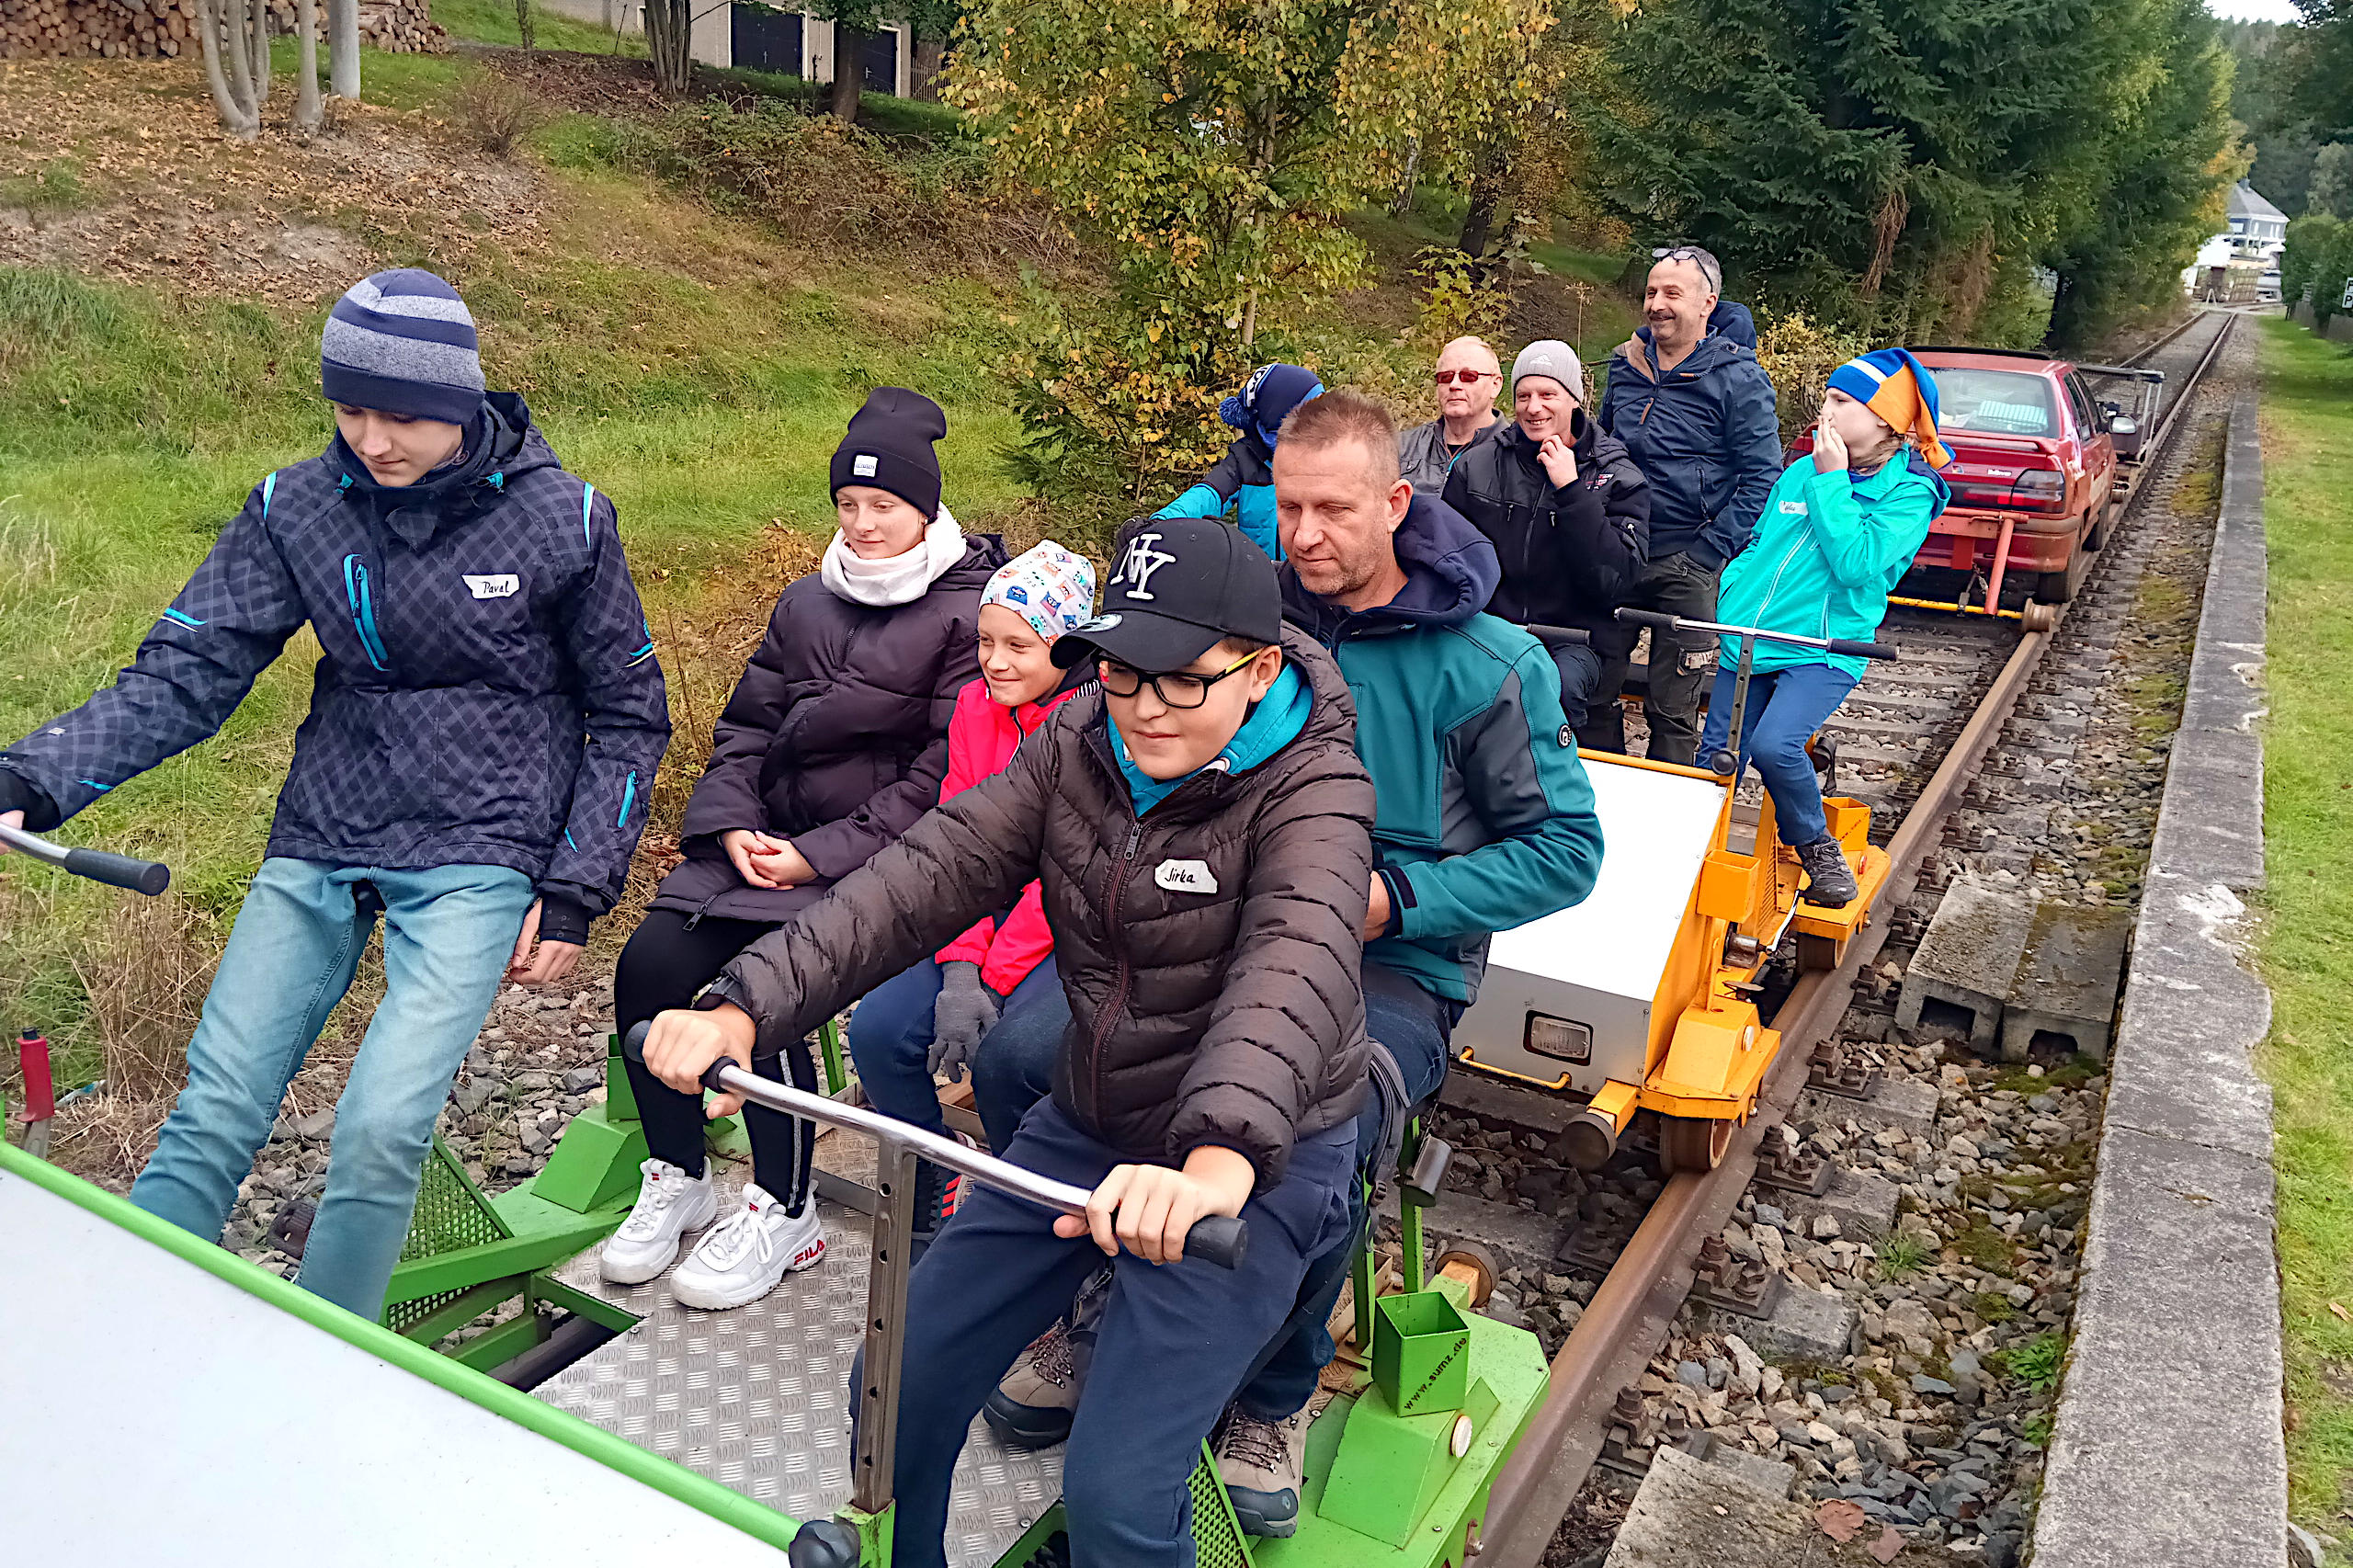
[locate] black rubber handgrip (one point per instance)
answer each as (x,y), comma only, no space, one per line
(1633,616)
(1220,1238)
(148,877)
(1861,650)
(1548,635)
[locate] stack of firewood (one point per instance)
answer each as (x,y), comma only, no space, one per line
(150,29)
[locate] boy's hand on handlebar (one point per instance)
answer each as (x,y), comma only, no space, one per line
(10,819)
(553,960)
(1149,1210)
(681,1045)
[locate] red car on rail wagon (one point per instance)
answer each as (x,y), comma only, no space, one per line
(2036,473)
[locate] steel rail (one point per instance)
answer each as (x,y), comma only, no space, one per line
(1631,1308)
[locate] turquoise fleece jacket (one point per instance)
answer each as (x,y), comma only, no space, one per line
(1827,550)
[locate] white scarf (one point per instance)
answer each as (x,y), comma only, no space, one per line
(896,579)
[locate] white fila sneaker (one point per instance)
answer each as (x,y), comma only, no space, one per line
(669,1204)
(744,1255)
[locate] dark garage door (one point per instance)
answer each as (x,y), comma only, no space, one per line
(765,40)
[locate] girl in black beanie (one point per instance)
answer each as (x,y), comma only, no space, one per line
(835,742)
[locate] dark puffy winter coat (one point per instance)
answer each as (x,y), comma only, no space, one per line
(836,737)
(1705,436)
(488,692)
(1570,557)
(1211,1003)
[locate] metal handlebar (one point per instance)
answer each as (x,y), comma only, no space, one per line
(1841,646)
(1552,635)
(1220,1238)
(148,877)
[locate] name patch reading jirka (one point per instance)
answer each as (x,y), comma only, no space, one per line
(1185,876)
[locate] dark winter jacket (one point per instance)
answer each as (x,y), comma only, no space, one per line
(487,694)
(1209,949)
(1485,819)
(1569,557)
(1705,436)
(836,737)
(1423,460)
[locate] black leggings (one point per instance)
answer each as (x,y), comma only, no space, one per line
(662,967)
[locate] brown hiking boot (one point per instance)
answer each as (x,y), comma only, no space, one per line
(1035,1400)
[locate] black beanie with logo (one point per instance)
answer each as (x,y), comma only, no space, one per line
(889,447)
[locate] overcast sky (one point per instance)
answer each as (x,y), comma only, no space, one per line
(2255,10)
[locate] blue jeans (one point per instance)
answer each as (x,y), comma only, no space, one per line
(1413,1027)
(449,933)
(890,1038)
(1174,1343)
(1785,708)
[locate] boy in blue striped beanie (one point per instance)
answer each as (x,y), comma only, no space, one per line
(400,361)
(486,721)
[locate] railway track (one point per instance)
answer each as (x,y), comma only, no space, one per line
(1910,739)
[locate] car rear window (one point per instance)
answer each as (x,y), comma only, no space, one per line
(1999,402)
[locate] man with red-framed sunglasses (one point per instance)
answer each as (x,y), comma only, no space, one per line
(1467,377)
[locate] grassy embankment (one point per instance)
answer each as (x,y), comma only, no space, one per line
(2307,941)
(696,365)
(698,368)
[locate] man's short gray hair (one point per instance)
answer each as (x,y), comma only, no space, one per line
(1711,271)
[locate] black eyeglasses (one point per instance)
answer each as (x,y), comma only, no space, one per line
(1710,268)
(1177,689)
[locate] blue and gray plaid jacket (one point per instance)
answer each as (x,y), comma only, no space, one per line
(488,693)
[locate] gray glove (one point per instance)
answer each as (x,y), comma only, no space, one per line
(966,1010)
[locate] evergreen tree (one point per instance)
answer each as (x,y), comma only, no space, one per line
(2171,161)
(1898,167)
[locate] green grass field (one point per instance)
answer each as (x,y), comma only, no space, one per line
(2307,942)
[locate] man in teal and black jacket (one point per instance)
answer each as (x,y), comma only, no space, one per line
(1484,821)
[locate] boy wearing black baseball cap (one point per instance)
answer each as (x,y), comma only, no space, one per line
(1201,826)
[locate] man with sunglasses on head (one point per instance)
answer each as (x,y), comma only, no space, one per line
(1695,408)
(1467,377)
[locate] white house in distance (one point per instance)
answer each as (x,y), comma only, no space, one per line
(780,38)
(2254,234)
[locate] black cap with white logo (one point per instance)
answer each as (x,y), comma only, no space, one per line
(1180,586)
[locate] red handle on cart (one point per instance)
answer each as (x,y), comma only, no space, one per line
(40,1090)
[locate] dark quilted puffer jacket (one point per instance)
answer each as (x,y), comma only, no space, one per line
(836,737)
(1209,951)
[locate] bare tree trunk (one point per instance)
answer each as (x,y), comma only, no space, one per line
(306,68)
(1487,181)
(231,85)
(257,20)
(1402,202)
(343,48)
(523,26)
(668,41)
(849,72)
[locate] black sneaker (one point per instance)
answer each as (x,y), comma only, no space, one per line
(1828,881)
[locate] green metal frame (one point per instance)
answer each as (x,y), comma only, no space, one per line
(754,1518)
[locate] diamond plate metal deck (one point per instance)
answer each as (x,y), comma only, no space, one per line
(757,1398)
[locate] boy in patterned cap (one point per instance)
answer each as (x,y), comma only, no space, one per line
(931,1018)
(1841,525)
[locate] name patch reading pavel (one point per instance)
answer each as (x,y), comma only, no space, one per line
(1185,876)
(499,586)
